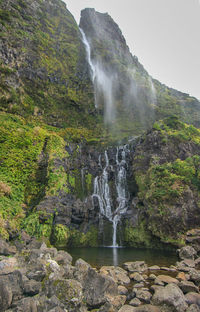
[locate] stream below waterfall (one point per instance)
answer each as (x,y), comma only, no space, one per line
(100,256)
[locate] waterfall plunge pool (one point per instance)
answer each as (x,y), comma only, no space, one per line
(100,256)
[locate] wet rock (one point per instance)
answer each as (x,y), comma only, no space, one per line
(154,268)
(171,296)
(143,295)
(118,274)
(135,302)
(137,266)
(187,252)
(137,277)
(122,290)
(152,277)
(187,286)
(166,279)
(6,249)
(185,265)
(193,298)
(138,285)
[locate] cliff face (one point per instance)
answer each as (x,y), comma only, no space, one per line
(43,65)
(53,145)
(137,98)
(166,167)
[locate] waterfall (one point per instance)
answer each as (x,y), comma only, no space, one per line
(103,83)
(102,189)
(88,53)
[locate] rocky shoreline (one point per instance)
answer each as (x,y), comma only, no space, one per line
(35,278)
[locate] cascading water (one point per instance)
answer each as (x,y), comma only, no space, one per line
(88,53)
(103,194)
(103,83)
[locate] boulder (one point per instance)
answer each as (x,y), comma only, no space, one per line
(127,308)
(122,290)
(137,277)
(6,249)
(137,266)
(187,286)
(193,298)
(166,279)
(97,288)
(187,252)
(195,276)
(118,274)
(31,287)
(143,295)
(171,296)
(193,308)
(63,258)
(8,265)
(5,295)
(147,308)
(135,302)
(185,265)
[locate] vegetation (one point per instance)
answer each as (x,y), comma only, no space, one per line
(165,186)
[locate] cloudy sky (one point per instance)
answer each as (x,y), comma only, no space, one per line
(163,34)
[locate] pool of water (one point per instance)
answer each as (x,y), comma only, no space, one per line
(117,256)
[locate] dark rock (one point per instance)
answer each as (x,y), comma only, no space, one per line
(31,287)
(5,295)
(187,252)
(6,249)
(187,286)
(97,288)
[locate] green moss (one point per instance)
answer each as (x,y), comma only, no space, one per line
(138,236)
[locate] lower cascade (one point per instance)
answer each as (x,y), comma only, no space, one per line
(108,208)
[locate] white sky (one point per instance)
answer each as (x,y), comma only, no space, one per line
(163,34)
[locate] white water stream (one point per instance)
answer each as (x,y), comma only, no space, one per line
(103,194)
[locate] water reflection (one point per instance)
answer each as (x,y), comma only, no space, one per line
(115,256)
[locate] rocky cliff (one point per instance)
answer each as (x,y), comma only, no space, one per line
(54,146)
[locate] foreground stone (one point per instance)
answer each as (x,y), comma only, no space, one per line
(137,266)
(171,296)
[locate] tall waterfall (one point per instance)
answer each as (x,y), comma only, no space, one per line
(88,53)
(103,193)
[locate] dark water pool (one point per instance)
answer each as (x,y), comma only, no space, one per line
(117,256)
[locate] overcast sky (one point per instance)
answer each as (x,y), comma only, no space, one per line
(163,34)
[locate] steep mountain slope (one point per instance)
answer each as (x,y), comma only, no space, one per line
(42,63)
(136,99)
